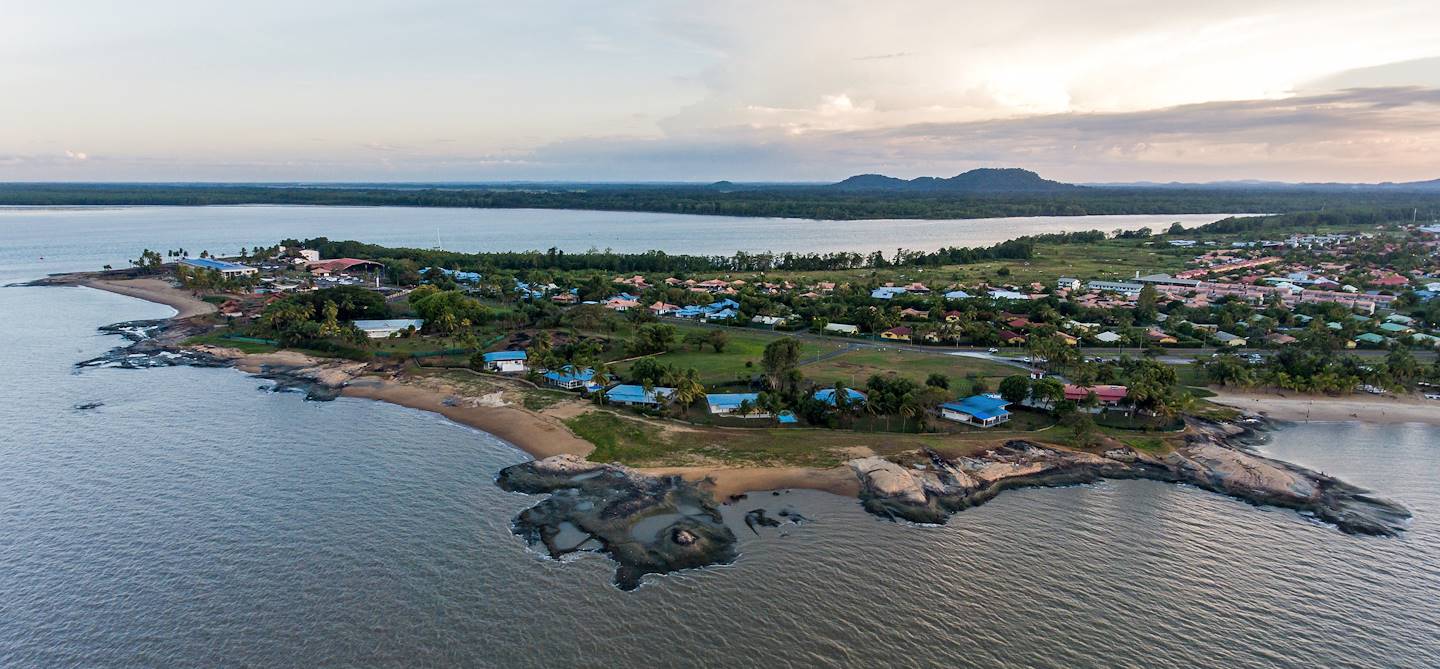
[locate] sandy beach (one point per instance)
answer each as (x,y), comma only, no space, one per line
(155,290)
(1379,409)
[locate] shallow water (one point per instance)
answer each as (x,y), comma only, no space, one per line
(192,520)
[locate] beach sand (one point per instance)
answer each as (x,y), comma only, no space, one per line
(156,290)
(1379,409)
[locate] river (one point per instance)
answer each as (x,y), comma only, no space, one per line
(192,519)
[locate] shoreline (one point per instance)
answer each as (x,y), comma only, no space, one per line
(1297,408)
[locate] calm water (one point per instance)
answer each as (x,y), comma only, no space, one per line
(193,520)
(66,238)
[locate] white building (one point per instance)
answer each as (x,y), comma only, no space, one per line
(379,329)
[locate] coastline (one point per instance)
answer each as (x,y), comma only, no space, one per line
(1372,409)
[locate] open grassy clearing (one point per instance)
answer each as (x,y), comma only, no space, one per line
(745,346)
(854,367)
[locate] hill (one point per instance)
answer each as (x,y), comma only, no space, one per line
(983,180)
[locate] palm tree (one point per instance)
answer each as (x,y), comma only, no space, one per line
(688,388)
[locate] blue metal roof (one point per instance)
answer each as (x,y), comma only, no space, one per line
(787,418)
(979,406)
(637,395)
(827,395)
(498,356)
(208,263)
(568,373)
(730,400)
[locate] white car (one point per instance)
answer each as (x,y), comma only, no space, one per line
(1432,396)
(993,350)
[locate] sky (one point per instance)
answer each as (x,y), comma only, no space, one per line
(442,90)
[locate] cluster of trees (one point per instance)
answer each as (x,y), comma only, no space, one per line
(783,201)
(1311,368)
(321,319)
(447,311)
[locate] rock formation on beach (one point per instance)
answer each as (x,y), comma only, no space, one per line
(932,491)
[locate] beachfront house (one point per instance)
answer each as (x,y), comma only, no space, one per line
(853,397)
(637,396)
(226,269)
(385,327)
(570,377)
(731,404)
(977,410)
(505,362)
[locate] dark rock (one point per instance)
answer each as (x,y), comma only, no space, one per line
(647,524)
(757,518)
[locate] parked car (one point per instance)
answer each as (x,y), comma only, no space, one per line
(993,350)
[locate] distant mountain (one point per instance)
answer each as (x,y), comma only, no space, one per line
(984,180)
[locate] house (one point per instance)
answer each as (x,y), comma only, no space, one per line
(914,314)
(661,308)
(729,404)
(565,298)
(621,302)
(630,395)
(1068,283)
(571,378)
(1227,339)
(977,410)
(1018,323)
(852,396)
(226,269)
(954,317)
(917,288)
(1279,339)
(1108,338)
(901,333)
(1012,338)
(1001,294)
(505,362)
(381,328)
(1370,339)
(1396,328)
(1069,340)
(1106,395)
(1390,281)
(957,295)
(842,329)
(1162,338)
(886,292)
(767,321)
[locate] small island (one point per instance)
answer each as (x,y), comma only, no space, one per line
(653,388)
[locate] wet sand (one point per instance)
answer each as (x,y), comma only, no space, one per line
(1377,409)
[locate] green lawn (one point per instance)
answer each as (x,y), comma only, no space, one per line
(854,367)
(726,367)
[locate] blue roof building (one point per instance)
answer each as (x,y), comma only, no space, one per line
(886,292)
(957,295)
(227,269)
(977,410)
(570,378)
(505,361)
(728,404)
(852,396)
(631,395)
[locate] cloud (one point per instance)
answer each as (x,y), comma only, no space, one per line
(76,155)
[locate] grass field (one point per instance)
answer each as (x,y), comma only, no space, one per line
(854,367)
(726,367)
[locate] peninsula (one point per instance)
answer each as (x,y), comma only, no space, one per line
(652,388)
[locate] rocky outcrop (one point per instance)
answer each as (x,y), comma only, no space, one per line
(932,491)
(647,524)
